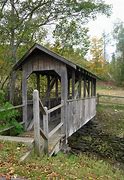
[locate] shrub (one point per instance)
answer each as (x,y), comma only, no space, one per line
(8,116)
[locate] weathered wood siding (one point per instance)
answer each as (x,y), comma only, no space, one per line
(42,62)
(79,112)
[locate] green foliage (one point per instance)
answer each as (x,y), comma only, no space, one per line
(71,36)
(8,117)
(23,22)
(117,63)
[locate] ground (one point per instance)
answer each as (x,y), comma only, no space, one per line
(97,150)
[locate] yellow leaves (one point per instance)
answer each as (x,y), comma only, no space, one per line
(98,63)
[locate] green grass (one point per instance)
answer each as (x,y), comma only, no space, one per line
(97,164)
(62,166)
(111,119)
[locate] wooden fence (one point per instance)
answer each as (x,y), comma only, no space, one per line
(18,107)
(110,99)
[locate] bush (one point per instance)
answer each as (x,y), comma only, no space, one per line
(8,117)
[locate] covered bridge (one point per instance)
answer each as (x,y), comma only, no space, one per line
(66,96)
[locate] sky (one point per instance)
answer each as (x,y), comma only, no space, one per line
(104,24)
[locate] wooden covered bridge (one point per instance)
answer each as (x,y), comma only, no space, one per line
(64,101)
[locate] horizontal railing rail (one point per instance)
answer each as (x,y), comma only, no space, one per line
(55,108)
(55,129)
(89,97)
(11,108)
(110,99)
(111,96)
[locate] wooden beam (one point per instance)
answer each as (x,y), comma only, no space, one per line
(36,116)
(38,82)
(55,129)
(57,88)
(24,97)
(76,90)
(64,96)
(48,91)
(88,87)
(55,108)
(46,130)
(73,84)
(79,86)
(84,84)
(94,87)
(68,88)
(42,107)
(43,135)
(50,84)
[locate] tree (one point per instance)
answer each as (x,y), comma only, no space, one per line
(98,64)
(71,36)
(118,60)
(23,22)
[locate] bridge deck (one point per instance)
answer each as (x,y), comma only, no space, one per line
(53,140)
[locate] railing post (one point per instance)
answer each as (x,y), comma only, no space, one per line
(46,130)
(36,116)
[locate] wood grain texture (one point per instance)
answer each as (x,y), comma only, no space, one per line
(79,112)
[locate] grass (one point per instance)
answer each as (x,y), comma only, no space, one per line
(62,166)
(95,163)
(111,119)
(109,89)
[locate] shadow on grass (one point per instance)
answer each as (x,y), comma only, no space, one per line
(92,140)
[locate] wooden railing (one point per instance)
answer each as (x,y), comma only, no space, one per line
(79,112)
(8,109)
(38,132)
(110,99)
(11,108)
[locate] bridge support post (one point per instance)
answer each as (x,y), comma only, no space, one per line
(24,97)
(64,96)
(36,113)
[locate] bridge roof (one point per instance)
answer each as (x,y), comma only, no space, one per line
(56,56)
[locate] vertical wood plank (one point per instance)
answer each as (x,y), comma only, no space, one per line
(68,88)
(64,95)
(36,116)
(46,130)
(38,82)
(73,84)
(88,88)
(24,97)
(84,84)
(56,88)
(79,87)
(48,91)
(94,87)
